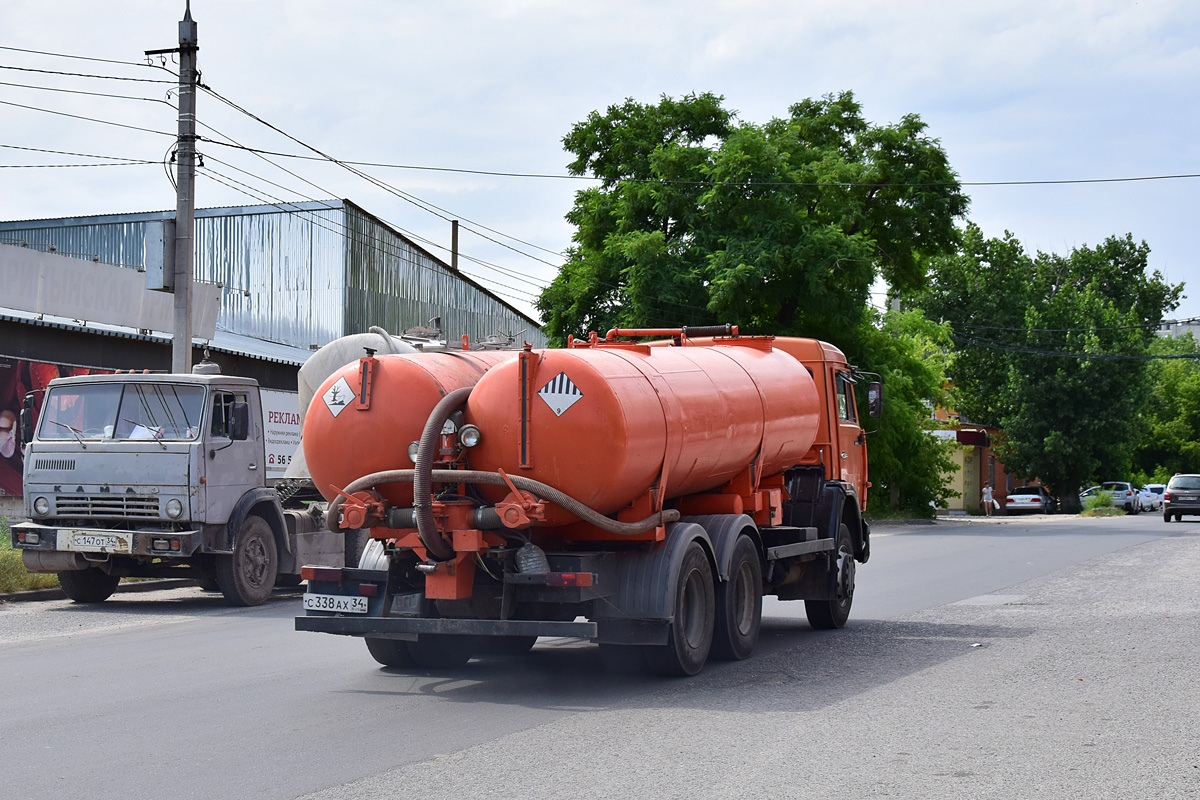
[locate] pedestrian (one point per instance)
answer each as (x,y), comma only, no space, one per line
(988,502)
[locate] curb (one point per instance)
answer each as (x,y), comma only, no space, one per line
(59,594)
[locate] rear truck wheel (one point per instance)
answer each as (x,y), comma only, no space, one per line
(440,650)
(694,619)
(247,576)
(390,652)
(91,585)
(739,604)
(830,614)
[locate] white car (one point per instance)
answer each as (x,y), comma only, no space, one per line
(1151,496)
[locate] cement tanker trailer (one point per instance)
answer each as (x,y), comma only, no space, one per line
(642,496)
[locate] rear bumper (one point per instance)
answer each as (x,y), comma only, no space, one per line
(409,628)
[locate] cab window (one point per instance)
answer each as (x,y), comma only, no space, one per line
(845,398)
(222,412)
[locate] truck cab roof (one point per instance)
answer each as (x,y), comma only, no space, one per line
(157,377)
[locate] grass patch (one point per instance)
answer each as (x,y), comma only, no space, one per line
(13,575)
(1103,511)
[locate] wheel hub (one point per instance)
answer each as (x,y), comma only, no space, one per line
(845,577)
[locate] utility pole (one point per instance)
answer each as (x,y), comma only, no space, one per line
(185,203)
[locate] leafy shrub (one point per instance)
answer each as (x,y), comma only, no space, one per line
(1100,499)
(13,575)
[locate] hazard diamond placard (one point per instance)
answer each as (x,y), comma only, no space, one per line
(560,394)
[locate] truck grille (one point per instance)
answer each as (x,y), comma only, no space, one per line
(54,463)
(107,505)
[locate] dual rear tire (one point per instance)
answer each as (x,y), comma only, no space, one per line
(708,618)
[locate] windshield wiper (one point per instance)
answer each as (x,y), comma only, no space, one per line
(74,432)
(158,432)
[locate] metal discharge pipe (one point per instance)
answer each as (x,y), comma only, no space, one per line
(538,488)
(427,531)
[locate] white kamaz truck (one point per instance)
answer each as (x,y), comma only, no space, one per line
(167,475)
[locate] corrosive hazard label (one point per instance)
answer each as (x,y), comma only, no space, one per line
(560,394)
(338,396)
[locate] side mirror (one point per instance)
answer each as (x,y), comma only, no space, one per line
(874,399)
(239,423)
(26,426)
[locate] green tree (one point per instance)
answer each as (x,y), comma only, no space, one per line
(1171,442)
(907,464)
(779,228)
(1052,350)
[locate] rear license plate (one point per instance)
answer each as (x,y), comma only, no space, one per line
(88,542)
(340,603)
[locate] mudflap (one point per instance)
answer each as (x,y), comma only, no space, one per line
(640,609)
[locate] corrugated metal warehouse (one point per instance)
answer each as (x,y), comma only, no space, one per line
(295,278)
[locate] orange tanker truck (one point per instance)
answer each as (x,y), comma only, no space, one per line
(644,496)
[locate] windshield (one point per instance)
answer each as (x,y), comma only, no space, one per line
(1026,490)
(162,411)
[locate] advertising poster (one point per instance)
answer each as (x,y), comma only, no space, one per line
(281,429)
(17,379)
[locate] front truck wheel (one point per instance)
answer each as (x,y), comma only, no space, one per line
(91,585)
(693,621)
(833,613)
(247,576)
(739,604)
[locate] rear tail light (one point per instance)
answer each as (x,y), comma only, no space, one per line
(569,578)
(331,574)
(368,589)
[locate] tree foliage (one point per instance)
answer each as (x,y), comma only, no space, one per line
(1051,349)
(1171,440)
(780,228)
(910,354)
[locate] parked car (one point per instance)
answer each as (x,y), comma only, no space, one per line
(1029,498)
(1088,492)
(1182,496)
(1124,496)
(1152,496)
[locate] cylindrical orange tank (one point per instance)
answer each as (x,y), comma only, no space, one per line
(343,442)
(600,423)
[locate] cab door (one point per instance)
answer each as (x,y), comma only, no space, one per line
(234,463)
(851,441)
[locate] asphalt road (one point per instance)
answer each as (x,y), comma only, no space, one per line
(1039,657)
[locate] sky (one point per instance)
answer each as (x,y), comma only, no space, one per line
(1014,91)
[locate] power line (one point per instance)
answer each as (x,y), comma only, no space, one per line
(341,229)
(69,153)
(1015,348)
(90,94)
(425,205)
(81,58)
(88,119)
(780,184)
(68,166)
(84,75)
